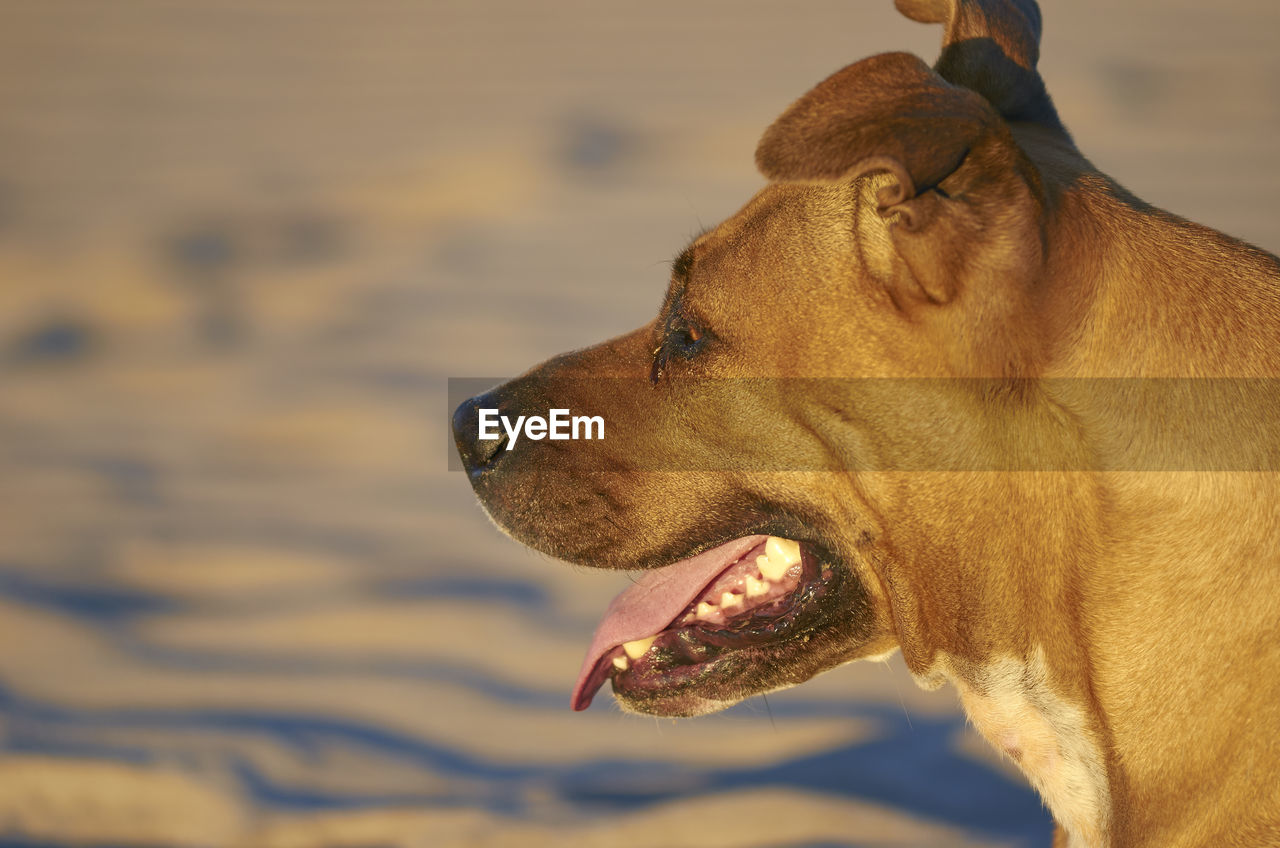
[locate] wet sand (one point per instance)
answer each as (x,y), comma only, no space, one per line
(243,602)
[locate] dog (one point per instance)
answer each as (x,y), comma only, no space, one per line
(942,388)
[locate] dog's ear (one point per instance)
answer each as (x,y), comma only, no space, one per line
(991,47)
(890,105)
(961,202)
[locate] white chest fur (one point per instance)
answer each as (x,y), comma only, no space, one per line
(1011,703)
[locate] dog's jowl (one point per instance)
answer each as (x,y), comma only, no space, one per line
(942,387)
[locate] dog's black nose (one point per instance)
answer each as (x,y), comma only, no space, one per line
(477,454)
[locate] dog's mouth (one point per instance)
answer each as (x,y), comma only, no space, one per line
(706,619)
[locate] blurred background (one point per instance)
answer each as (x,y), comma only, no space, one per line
(243,245)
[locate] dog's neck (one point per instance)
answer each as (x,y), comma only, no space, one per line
(1129,290)
(1057,667)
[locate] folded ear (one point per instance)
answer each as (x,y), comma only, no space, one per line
(960,202)
(991,47)
(889,105)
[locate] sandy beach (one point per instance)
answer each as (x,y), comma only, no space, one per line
(243,247)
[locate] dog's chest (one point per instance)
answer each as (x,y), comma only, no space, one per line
(1009,701)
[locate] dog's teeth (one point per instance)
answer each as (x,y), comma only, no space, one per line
(756,588)
(706,610)
(782,550)
(779,555)
(771,569)
(636,649)
(620,663)
(728,599)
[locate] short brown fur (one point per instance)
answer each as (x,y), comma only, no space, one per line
(940,223)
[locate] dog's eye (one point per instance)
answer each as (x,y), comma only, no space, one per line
(688,340)
(681,339)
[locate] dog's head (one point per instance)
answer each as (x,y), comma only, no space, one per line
(901,236)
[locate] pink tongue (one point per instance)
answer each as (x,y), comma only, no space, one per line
(653,602)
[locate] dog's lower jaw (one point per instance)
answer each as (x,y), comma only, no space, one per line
(689,706)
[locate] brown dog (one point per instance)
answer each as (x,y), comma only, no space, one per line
(943,387)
